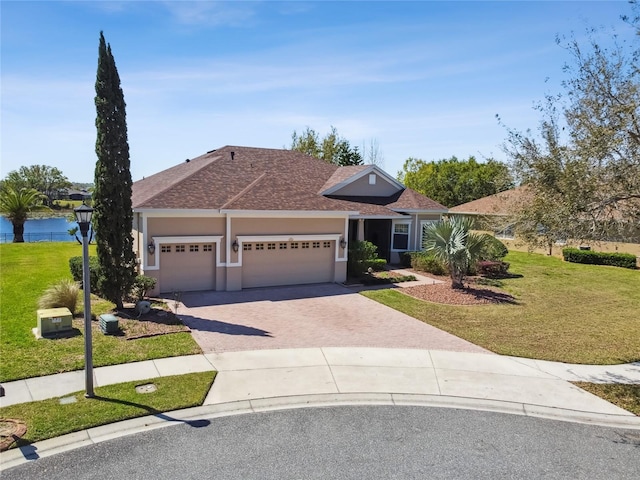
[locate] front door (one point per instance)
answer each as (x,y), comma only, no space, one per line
(378,232)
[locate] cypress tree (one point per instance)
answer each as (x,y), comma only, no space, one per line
(113,214)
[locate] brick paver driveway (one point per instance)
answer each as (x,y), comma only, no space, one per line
(324,315)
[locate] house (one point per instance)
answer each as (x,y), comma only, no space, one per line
(241,217)
(496,213)
(72,194)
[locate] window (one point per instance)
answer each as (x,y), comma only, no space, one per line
(316,244)
(372,179)
(165,248)
(271,246)
(259,246)
(305,244)
(179,248)
(326,244)
(194,248)
(400,236)
(506,233)
(283,246)
(247,247)
(294,244)
(207,248)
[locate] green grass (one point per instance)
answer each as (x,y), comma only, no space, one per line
(26,270)
(625,396)
(565,312)
(113,403)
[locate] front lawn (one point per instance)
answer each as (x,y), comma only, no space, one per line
(625,396)
(564,312)
(112,403)
(26,270)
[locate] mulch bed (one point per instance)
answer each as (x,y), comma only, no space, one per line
(472,294)
(132,325)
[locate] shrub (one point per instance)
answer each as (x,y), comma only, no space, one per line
(427,262)
(362,255)
(405,258)
(491,268)
(62,294)
(382,280)
(75,265)
(375,264)
(141,285)
(493,249)
(575,255)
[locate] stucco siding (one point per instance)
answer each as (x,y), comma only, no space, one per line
(362,188)
(185,226)
(286,226)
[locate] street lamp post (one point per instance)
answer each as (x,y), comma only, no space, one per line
(83,217)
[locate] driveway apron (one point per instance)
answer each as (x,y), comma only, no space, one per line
(323,315)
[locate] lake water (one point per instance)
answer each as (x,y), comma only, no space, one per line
(39,230)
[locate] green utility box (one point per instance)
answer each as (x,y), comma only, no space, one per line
(52,321)
(109,324)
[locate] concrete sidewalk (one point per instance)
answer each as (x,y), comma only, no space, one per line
(442,377)
(267,380)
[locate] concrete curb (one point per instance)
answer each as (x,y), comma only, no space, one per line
(199,416)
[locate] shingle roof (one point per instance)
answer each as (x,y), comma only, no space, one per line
(245,178)
(341,174)
(502,203)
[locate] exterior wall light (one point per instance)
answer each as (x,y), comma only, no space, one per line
(235,246)
(343,243)
(151,248)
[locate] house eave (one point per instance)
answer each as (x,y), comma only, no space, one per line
(288,213)
(373,168)
(419,210)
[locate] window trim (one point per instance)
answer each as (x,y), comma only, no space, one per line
(393,234)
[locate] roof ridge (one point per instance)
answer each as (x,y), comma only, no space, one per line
(244,190)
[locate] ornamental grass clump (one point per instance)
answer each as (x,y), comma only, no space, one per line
(62,294)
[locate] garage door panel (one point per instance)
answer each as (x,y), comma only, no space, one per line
(287,263)
(187,267)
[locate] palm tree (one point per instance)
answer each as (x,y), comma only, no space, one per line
(453,243)
(16,205)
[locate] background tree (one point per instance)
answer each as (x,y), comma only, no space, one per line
(452,182)
(372,154)
(43,178)
(17,204)
(113,214)
(332,148)
(453,243)
(583,166)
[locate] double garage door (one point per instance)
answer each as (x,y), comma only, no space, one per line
(287,263)
(191,267)
(187,267)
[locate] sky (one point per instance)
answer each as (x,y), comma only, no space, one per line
(420,79)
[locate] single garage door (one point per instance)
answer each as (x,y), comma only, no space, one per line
(267,264)
(187,267)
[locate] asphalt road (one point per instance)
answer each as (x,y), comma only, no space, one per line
(372,442)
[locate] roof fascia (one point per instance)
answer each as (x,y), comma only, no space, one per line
(483,214)
(288,213)
(362,173)
(417,210)
(172,212)
(378,217)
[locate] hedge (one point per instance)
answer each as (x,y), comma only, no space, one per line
(75,265)
(575,255)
